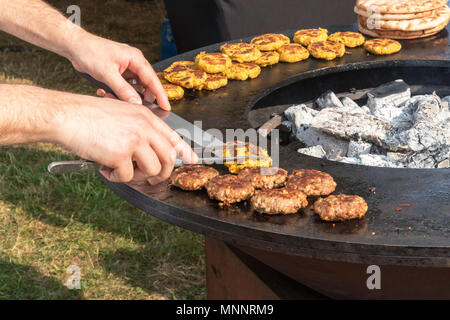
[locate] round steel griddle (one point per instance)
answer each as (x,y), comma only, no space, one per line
(417,236)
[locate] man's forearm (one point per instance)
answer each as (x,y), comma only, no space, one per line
(29,114)
(36,22)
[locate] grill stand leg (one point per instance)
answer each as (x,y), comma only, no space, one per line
(237,272)
(233,274)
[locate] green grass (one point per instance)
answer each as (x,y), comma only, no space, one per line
(50,222)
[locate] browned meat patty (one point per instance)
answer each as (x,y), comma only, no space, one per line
(312,182)
(229,189)
(264,178)
(341,207)
(192,176)
(278,201)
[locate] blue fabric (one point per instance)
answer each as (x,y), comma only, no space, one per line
(168,46)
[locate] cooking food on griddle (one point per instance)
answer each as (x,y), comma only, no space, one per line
(326,50)
(229,189)
(270,41)
(192,176)
(306,36)
(173,91)
(268,58)
(349,39)
(185,74)
(215,81)
(293,52)
(243,71)
(382,46)
(278,201)
(184,63)
(240,149)
(161,78)
(241,52)
(340,207)
(264,178)
(215,62)
(312,182)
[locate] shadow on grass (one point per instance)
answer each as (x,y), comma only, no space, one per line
(157,277)
(155,253)
(18,282)
(60,199)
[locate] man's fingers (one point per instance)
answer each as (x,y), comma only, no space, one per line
(140,175)
(123,89)
(166,155)
(142,68)
(147,161)
(182,149)
(149,96)
(102,93)
(124,172)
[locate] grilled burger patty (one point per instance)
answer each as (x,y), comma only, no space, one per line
(312,182)
(340,207)
(264,178)
(192,177)
(278,201)
(229,189)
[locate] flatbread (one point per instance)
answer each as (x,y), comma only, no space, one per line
(397,34)
(394,16)
(399,6)
(440,17)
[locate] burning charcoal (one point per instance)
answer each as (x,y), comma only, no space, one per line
(394,130)
(415,139)
(350,160)
(365,109)
(446,102)
(315,151)
(397,156)
(311,137)
(378,150)
(376,160)
(391,94)
(442,153)
(328,100)
(299,115)
(425,133)
(356,148)
(427,112)
(347,125)
(444,164)
(349,103)
(427,98)
(399,113)
(400,117)
(421,160)
(287,124)
(427,108)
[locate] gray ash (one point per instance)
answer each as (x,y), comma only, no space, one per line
(394,129)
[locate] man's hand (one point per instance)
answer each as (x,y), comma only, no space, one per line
(113,63)
(113,133)
(108,131)
(107,61)
(116,133)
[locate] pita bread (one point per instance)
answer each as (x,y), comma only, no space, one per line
(398,34)
(399,6)
(394,16)
(441,16)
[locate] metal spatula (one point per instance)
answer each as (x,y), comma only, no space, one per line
(60,167)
